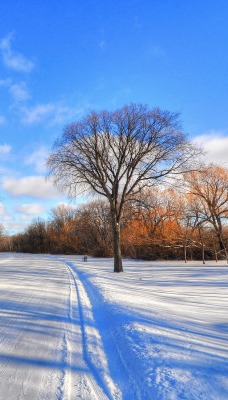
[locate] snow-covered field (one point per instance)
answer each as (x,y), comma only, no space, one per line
(73,330)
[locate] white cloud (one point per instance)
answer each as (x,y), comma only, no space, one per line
(19,91)
(7,218)
(14,60)
(31,208)
(35,114)
(5,149)
(2,120)
(5,82)
(38,159)
(2,209)
(63,113)
(33,186)
(26,218)
(4,215)
(53,113)
(14,227)
(215,145)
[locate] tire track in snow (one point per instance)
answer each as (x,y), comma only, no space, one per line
(92,348)
(115,341)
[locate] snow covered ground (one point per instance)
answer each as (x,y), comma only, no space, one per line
(74,330)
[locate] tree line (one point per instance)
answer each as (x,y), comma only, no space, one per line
(155,198)
(188,221)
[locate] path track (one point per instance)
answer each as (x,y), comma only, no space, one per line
(43,344)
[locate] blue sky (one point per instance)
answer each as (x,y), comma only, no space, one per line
(59,59)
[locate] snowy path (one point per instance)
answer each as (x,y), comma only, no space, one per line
(72,330)
(42,343)
(165,324)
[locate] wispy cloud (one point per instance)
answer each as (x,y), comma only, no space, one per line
(22,105)
(2,120)
(30,208)
(215,145)
(12,59)
(33,186)
(19,91)
(5,149)
(38,159)
(2,209)
(51,113)
(13,227)
(26,218)
(36,114)
(4,215)
(5,82)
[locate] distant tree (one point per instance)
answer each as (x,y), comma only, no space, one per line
(117,154)
(36,236)
(210,200)
(185,224)
(1,236)
(95,229)
(149,233)
(62,230)
(61,215)
(1,230)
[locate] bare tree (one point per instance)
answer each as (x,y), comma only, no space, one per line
(117,154)
(209,188)
(96,229)
(61,227)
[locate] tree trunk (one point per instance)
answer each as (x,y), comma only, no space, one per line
(216,254)
(118,266)
(185,251)
(203,253)
(202,243)
(203,250)
(222,245)
(219,233)
(191,255)
(225,251)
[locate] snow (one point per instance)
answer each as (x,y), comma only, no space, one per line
(75,330)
